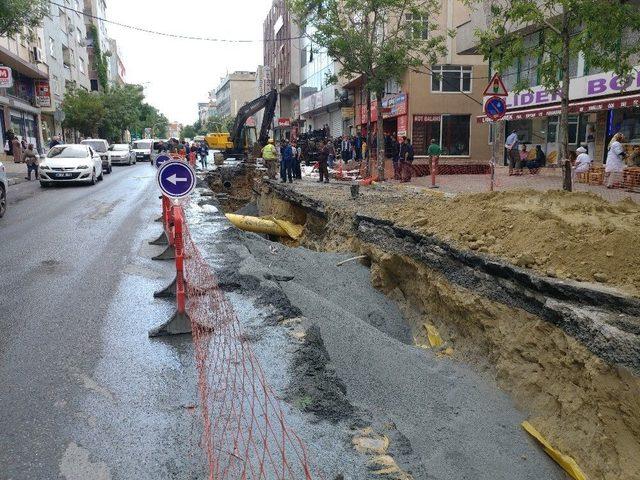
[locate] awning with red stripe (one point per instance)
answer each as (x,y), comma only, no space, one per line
(587,106)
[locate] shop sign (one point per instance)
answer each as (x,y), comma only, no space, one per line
(43,94)
(426,118)
(403,125)
(6,77)
(348,112)
(363,112)
(590,86)
(395,105)
(284,122)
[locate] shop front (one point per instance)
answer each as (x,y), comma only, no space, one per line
(451,132)
(395,118)
(600,106)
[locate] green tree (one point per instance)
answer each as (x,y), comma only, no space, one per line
(100,59)
(150,117)
(83,111)
(189,131)
(16,14)
(122,109)
(372,39)
(604,32)
(219,123)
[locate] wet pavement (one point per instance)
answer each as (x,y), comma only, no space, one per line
(85,393)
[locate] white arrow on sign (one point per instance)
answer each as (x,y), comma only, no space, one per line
(175,179)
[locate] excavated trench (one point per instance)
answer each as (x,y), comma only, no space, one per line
(567,355)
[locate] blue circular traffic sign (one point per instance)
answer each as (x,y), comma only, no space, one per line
(160,159)
(176,179)
(495,108)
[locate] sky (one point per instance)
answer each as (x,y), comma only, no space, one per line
(176,73)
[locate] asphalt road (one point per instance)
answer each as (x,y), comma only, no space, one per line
(85,394)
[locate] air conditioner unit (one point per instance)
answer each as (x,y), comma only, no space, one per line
(36,55)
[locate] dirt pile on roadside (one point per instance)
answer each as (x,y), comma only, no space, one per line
(577,236)
(568,235)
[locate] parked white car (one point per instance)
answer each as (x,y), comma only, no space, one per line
(101,147)
(71,164)
(4,186)
(142,149)
(121,154)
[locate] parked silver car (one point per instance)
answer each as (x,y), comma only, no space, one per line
(101,147)
(4,186)
(121,154)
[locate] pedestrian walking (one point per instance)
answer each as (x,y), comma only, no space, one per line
(323,158)
(204,155)
(332,153)
(357,145)
(16,149)
(270,158)
(512,145)
(297,160)
(30,157)
(286,172)
(345,149)
(615,162)
(407,159)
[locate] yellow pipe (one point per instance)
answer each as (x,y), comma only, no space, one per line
(265,225)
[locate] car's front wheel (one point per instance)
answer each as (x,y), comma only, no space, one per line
(108,169)
(3,201)
(101,177)
(93,180)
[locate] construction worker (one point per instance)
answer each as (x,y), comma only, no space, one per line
(270,157)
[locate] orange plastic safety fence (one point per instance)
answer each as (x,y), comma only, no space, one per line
(246,435)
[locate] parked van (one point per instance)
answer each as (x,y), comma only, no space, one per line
(142,149)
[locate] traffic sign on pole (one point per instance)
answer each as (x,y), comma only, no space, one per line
(176,179)
(495,108)
(496,87)
(160,159)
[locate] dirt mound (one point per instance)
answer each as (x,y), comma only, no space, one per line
(567,235)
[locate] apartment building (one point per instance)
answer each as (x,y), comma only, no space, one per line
(282,62)
(234,91)
(175,130)
(24,86)
(66,56)
(600,104)
(117,71)
(95,11)
(438,101)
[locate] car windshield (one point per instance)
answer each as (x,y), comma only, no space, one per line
(97,145)
(142,145)
(68,151)
(119,148)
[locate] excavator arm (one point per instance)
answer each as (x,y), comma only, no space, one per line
(268,102)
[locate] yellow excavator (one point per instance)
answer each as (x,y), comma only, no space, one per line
(242,138)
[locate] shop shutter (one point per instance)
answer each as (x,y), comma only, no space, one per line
(336,123)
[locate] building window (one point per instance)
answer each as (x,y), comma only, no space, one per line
(81,65)
(94,85)
(78,36)
(52,48)
(455,134)
(66,56)
(451,78)
(452,132)
(392,87)
(417,26)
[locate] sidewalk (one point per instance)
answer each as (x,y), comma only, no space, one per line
(16,172)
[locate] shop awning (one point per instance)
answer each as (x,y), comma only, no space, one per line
(586,106)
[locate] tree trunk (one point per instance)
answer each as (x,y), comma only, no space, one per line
(369,136)
(564,106)
(380,137)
